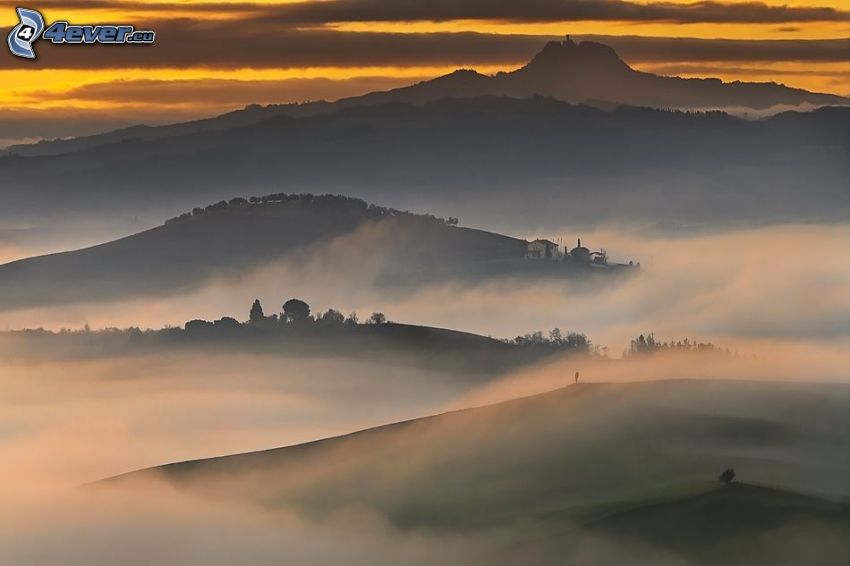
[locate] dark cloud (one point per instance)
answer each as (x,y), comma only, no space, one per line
(637,49)
(551,11)
(336,11)
(224,92)
(709,70)
(216,44)
(183,43)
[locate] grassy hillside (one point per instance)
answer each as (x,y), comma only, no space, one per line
(560,456)
(738,524)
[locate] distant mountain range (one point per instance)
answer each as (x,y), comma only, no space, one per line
(576,72)
(555,462)
(534,160)
(513,147)
(590,72)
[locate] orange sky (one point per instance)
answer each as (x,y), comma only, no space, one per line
(67,84)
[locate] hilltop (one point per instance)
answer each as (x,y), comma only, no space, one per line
(587,71)
(634,460)
(298,332)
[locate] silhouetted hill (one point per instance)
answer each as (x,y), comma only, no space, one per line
(488,156)
(587,71)
(629,460)
(395,248)
(576,72)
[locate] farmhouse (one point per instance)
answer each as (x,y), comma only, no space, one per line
(542,249)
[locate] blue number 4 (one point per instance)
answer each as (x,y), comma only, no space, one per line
(56,32)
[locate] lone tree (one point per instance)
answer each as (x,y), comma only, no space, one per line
(377,318)
(727,476)
(257,315)
(296,310)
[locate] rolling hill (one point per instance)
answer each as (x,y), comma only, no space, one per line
(582,445)
(479,158)
(576,72)
(329,234)
(733,524)
(465,358)
(634,461)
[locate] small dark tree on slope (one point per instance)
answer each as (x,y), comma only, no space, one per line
(727,476)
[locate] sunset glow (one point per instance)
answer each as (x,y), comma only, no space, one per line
(316,45)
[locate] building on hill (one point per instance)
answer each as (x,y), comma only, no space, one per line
(581,254)
(542,249)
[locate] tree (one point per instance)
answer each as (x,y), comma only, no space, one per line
(227,322)
(352,319)
(296,310)
(727,476)
(198,325)
(577,341)
(377,318)
(257,315)
(332,317)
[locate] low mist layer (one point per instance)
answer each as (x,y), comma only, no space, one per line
(768,294)
(749,290)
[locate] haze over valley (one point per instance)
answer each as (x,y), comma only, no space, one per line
(584,305)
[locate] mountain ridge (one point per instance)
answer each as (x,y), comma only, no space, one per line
(459,149)
(575,72)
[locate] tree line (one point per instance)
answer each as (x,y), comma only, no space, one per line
(294,313)
(331,204)
(557,339)
(648,345)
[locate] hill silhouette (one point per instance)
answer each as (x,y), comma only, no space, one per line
(229,239)
(576,72)
(324,335)
(490,157)
(586,71)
